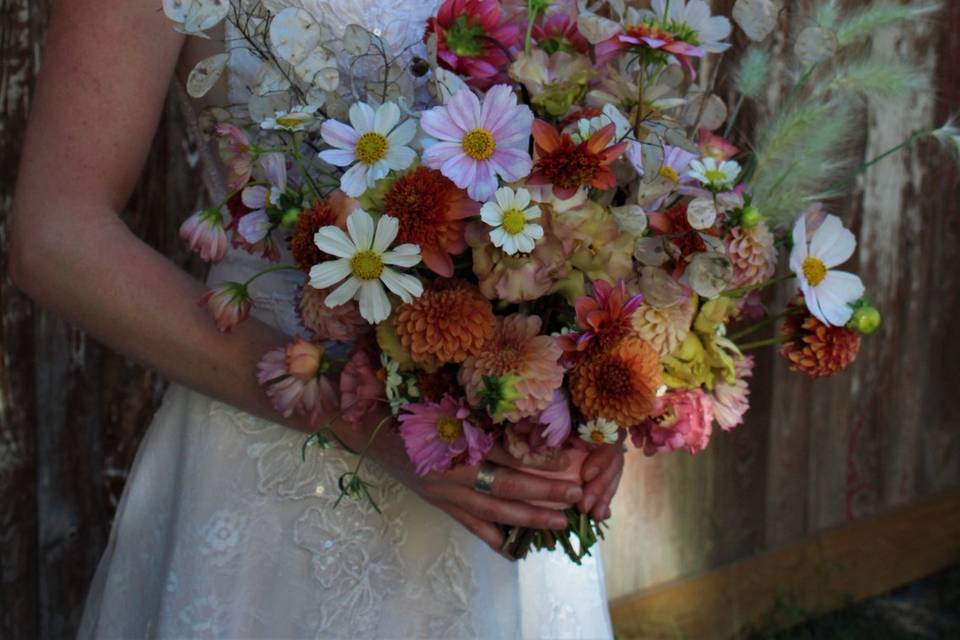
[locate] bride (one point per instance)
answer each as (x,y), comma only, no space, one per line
(224,529)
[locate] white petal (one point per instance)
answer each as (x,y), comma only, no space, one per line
(374,305)
(399,158)
(342,293)
(387,229)
(404,255)
(509,244)
(329,273)
(531,213)
(360,226)
(524,243)
(832,243)
(522,201)
(362,117)
(799,252)
(386,118)
(491,214)
(377,171)
(835,294)
(535,231)
(498,236)
(505,199)
(354,181)
(338,134)
(338,157)
(334,241)
(406,286)
(404,133)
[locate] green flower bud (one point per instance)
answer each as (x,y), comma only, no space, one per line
(499,395)
(290,217)
(865,320)
(750,217)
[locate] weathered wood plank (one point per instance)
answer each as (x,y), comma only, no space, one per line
(854,561)
(21,28)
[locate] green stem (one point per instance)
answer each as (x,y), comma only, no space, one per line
(889,152)
(768,342)
(736,293)
(766,322)
(298,159)
(531,18)
(279,267)
(733,115)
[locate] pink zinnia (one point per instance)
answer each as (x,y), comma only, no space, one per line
(473,40)
(557,31)
(229,303)
(681,419)
(292,377)
(439,435)
(478,142)
(204,234)
(237,154)
(360,388)
(731,400)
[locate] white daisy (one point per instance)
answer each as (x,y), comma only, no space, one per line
(510,214)
(294,120)
(691,21)
(364,262)
(828,293)
(375,142)
(719,175)
(599,431)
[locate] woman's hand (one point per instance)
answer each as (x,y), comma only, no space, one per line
(601,473)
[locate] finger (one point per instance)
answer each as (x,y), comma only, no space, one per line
(595,488)
(518,485)
(486,531)
(599,459)
(602,510)
(491,509)
(501,456)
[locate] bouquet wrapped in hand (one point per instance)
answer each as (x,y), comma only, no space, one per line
(538,231)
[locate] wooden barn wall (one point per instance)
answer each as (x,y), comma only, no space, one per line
(811,454)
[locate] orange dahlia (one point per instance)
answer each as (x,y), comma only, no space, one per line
(431,210)
(449,322)
(517,350)
(620,384)
(323,213)
(568,166)
(817,349)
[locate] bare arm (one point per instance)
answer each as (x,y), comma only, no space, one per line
(98,99)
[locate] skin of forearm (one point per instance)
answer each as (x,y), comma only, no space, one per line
(137,302)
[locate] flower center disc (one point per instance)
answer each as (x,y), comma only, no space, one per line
(366,265)
(814,270)
(669,173)
(479,144)
(513,221)
(371,147)
(597,436)
(449,429)
(292,120)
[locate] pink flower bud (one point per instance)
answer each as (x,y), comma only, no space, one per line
(303,359)
(230,303)
(204,234)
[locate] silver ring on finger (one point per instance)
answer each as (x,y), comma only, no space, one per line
(485,475)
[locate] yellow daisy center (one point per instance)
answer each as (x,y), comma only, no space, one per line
(449,429)
(715,176)
(479,144)
(291,120)
(371,147)
(598,436)
(669,173)
(513,221)
(366,265)
(814,270)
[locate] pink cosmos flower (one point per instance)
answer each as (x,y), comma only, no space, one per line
(731,401)
(439,435)
(292,377)
(237,154)
(255,226)
(229,303)
(204,234)
(476,142)
(556,420)
(267,248)
(360,388)
(473,39)
(681,419)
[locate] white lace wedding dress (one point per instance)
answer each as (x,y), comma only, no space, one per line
(225,531)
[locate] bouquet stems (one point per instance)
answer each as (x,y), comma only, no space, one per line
(581,527)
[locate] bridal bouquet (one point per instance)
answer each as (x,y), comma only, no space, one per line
(537,227)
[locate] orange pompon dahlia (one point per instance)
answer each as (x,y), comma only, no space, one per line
(448,323)
(568,166)
(532,361)
(431,210)
(342,324)
(620,384)
(814,348)
(323,213)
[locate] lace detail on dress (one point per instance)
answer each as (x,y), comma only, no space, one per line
(451,583)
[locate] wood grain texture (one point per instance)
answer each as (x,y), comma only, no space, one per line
(850,562)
